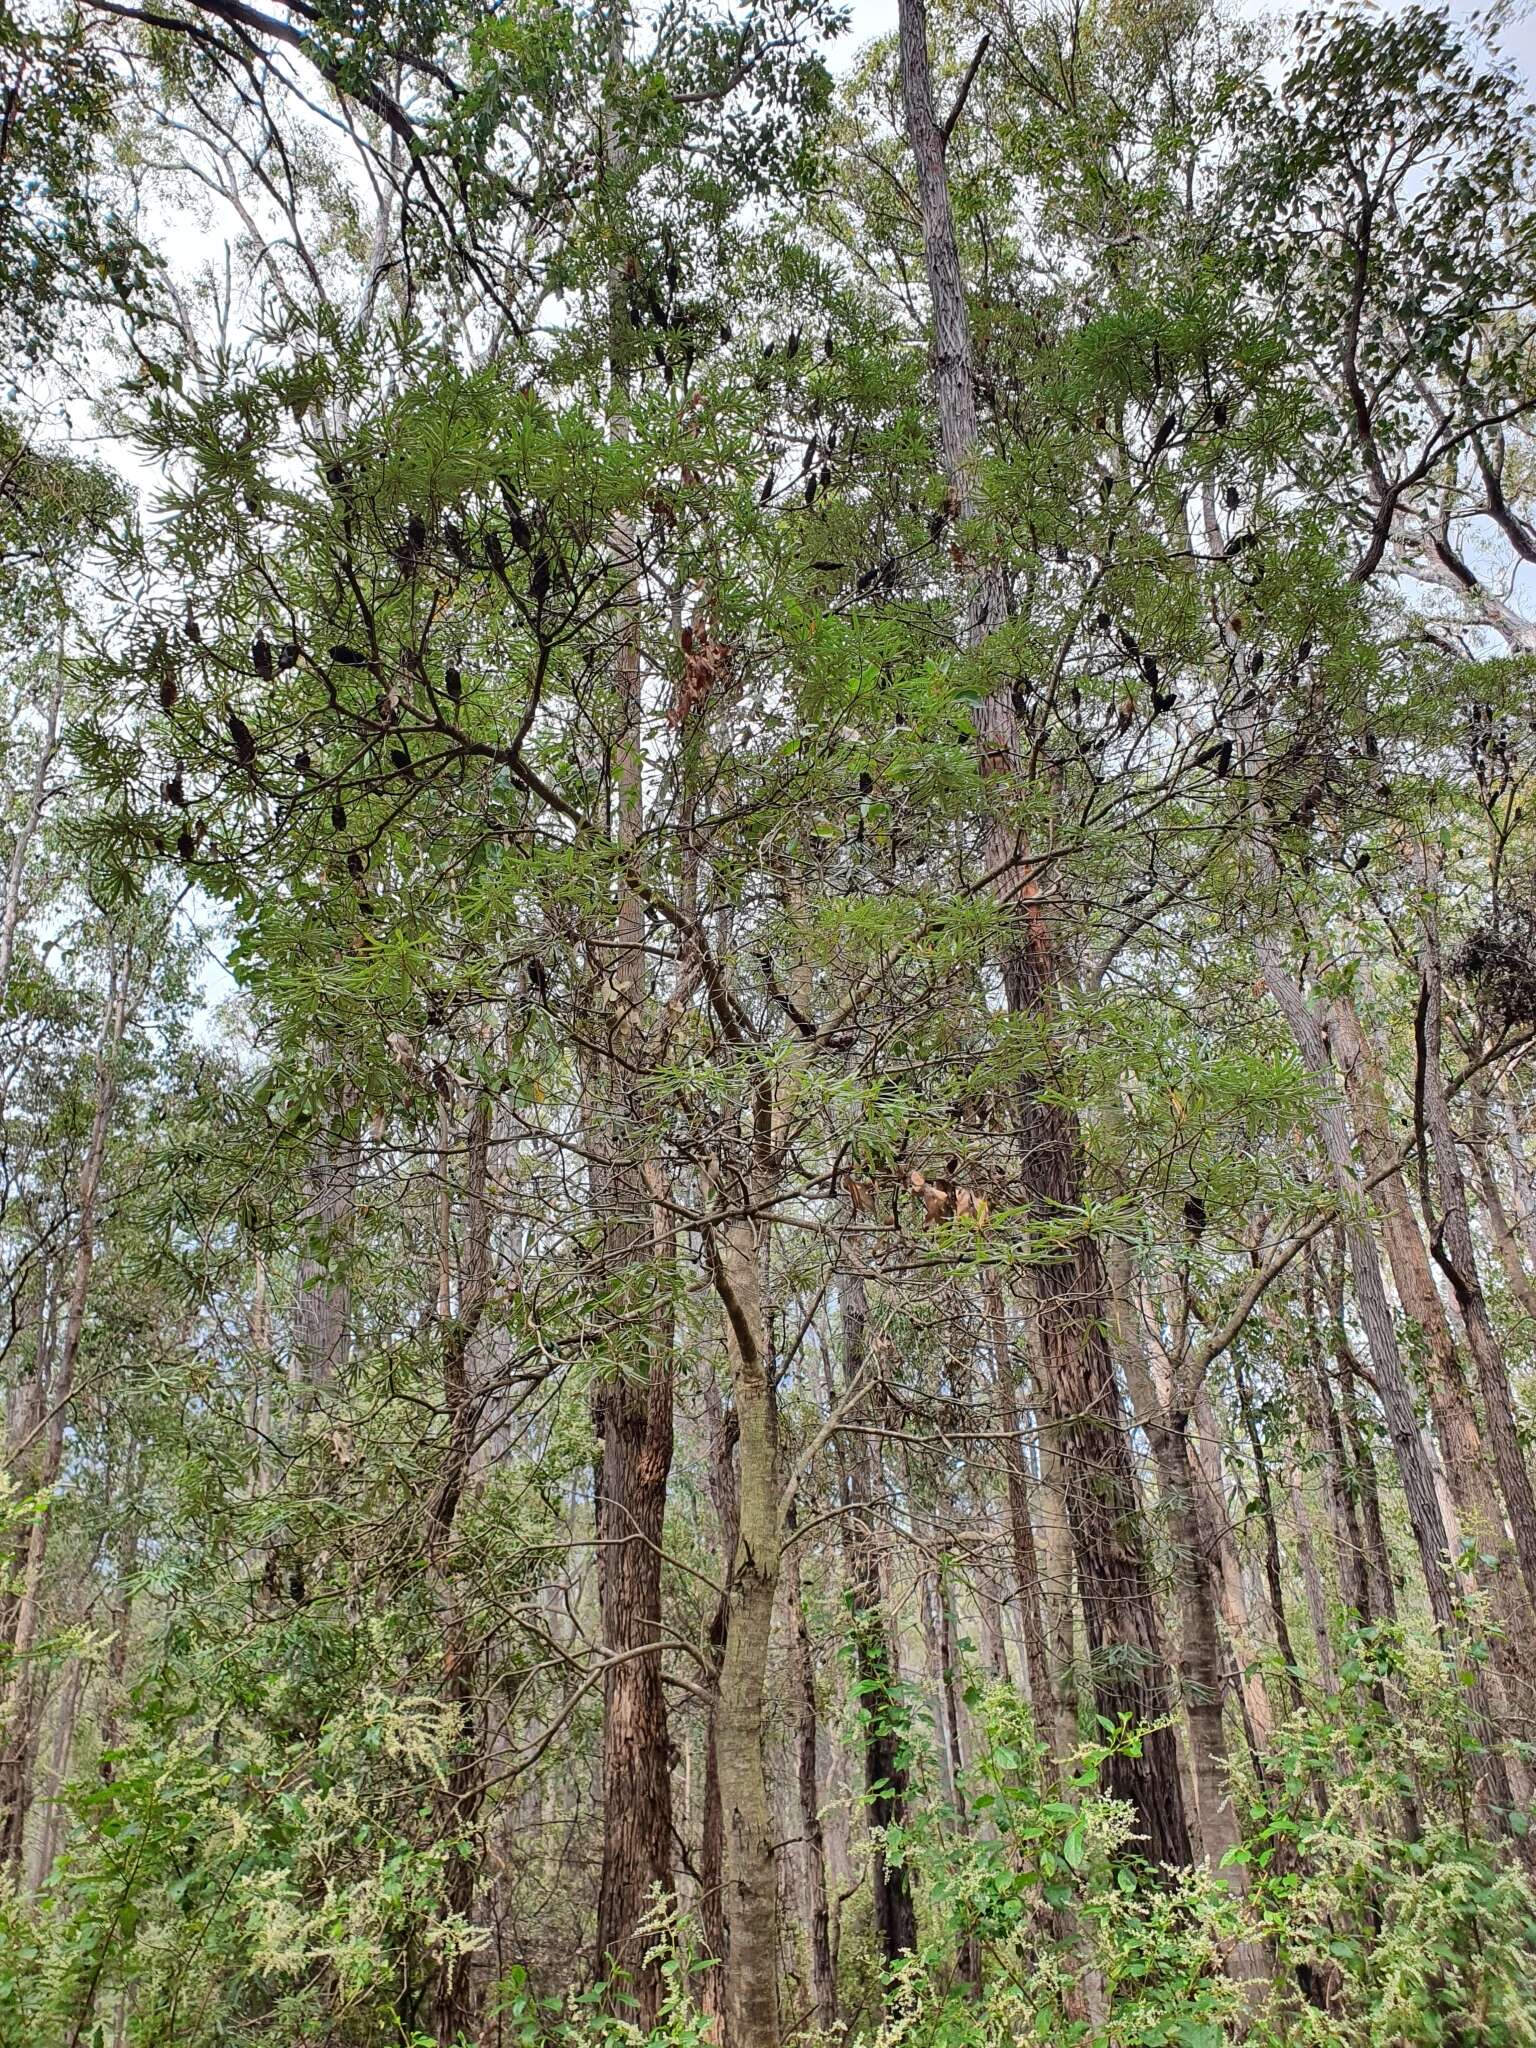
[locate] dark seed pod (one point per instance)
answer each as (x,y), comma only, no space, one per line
(240,733)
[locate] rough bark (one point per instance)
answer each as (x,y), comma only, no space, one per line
(813,1861)
(875,1669)
(1127,1656)
(632,1405)
(751,1890)
(1021,1528)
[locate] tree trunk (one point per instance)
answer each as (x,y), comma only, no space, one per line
(1127,1656)
(751,1890)
(464,1788)
(1462,1453)
(1450,1239)
(632,1406)
(1021,1528)
(881,1712)
(813,1861)
(1370,1293)
(17,1719)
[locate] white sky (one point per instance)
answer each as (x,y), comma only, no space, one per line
(1517,37)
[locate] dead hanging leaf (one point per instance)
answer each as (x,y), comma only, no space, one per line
(861,1195)
(706,664)
(945,1198)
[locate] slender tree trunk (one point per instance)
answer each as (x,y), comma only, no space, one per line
(1450,1237)
(712,1920)
(1231,1593)
(1370,1293)
(1312,1583)
(323,1308)
(813,1861)
(26,833)
(1021,1528)
(45,1843)
(880,1708)
(1468,1479)
(751,1888)
(464,1789)
(1274,1578)
(17,1724)
(632,1407)
(1127,1656)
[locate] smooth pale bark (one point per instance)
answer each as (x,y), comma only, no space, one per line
(1520,1177)
(1370,1291)
(1231,1592)
(1391,1381)
(1128,1658)
(26,833)
(1462,1452)
(1506,1241)
(1315,1398)
(1451,1244)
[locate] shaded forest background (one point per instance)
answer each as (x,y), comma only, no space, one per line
(767,977)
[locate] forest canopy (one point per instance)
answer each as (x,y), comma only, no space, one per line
(767,999)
